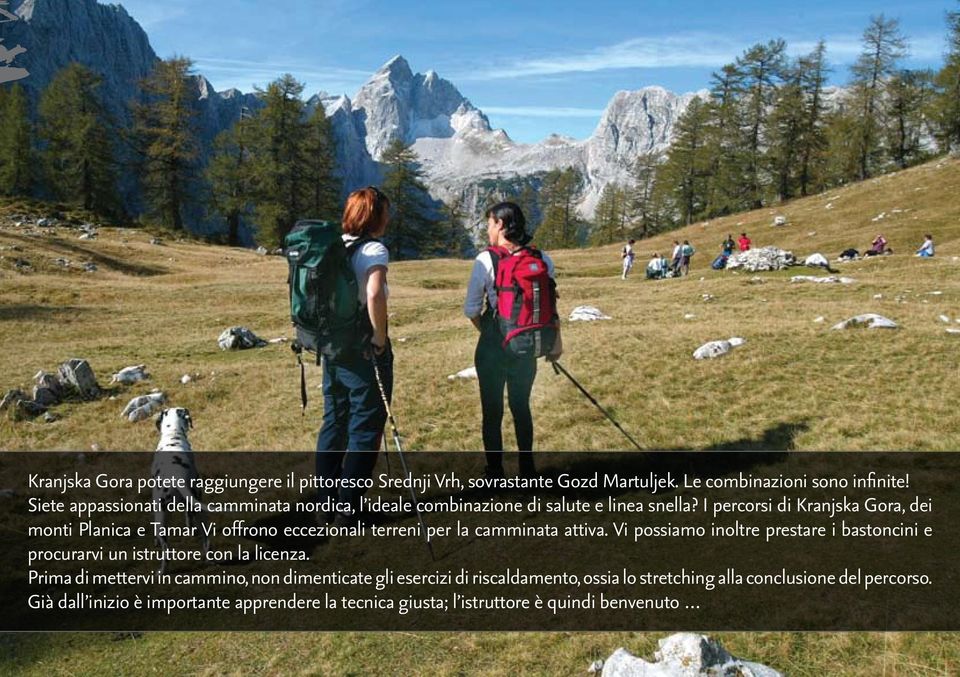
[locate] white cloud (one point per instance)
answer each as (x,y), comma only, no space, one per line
(542,111)
(242,74)
(683,50)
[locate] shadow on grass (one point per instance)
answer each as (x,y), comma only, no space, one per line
(100,259)
(30,311)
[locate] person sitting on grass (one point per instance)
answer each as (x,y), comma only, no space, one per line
(878,246)
(656,267)
(926,249)
(744,242)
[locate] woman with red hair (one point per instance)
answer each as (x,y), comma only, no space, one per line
(353,410)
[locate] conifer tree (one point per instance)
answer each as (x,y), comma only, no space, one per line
(165,126)
(79,156)
(16,143)
(883,46)
(610,215)
(642,204)
(559,229)
(687,167)
(725,139)
(280,176)
(813,143)
(909,95)
(230,178)
(413,231)
(320,154)
(946,108)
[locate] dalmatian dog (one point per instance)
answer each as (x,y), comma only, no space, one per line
(174,460)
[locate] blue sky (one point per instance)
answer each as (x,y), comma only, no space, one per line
(535,67)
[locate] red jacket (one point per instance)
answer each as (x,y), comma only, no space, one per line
(744,244)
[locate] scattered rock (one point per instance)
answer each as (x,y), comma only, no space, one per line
(707,298)
(468,373)
(143,407)
(239,338)
(877,297)
(689,316)
(934,293)
(129,375)
(717,348)
(156,240)
(587,314)
(50,417)
(953,331)
(764,258)
(77,374)
(823,279)
(879,217)
(28,409)
(780,221)
(62,262)
(45,222)
(685,654)
(47,390)
(262,251)
(818,320)
(11,398)
(185,379)
(871,320)
(816,261)
(90,267)
(755,280)
(21,264)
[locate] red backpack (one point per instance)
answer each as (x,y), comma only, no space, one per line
(526,301)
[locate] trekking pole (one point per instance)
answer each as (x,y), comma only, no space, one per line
(403,461)
(558,368)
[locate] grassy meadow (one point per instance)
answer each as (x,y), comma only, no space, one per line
(795,384)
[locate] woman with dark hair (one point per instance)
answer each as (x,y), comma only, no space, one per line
(353,410)
(496,366)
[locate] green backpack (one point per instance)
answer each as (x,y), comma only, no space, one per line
(324,304)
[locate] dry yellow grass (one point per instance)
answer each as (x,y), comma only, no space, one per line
(794,384)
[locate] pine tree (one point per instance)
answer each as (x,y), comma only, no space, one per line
(320,153)
(726,142)
(883,46)
(786,128)
(16,144)
(946,108)
(412,231)
(813,142)
(642,203)
(79,156)
(280,170)
(165,125)
(230,177)
(906,104)
(559,229)
(610,215)
(685,172)
(762,67)
(456,242)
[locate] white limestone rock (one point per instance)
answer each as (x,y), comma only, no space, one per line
(685,654)
(129,375)
(825,279)
(816,261)
(870,320)
(143,407)
(463,374)
(239,338)
(761,259)
(587,314)
(714,349)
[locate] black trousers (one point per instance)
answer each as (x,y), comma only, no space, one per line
(497,368)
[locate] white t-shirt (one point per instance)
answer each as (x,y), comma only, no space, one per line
(369,255)
(628,252)
(482,283)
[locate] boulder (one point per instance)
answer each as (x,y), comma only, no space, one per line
(47,389)
(685,654)
(78,375)
(143,407)
(826,279)
(90,267)
(587,314)
(764,258)
(780,221)
(871,320)
(816,261)
(129,375)
(11,398)
(717,348)
(262,251)
(239,338)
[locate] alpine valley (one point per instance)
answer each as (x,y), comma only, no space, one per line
(462,156)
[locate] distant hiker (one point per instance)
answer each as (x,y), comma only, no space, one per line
(497,296)
(627,255)
(744,242)
(727,247)
(656,267)
(720,262)
(878,246)
(926,249)
(686,251)
(677,257)
(353,410)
